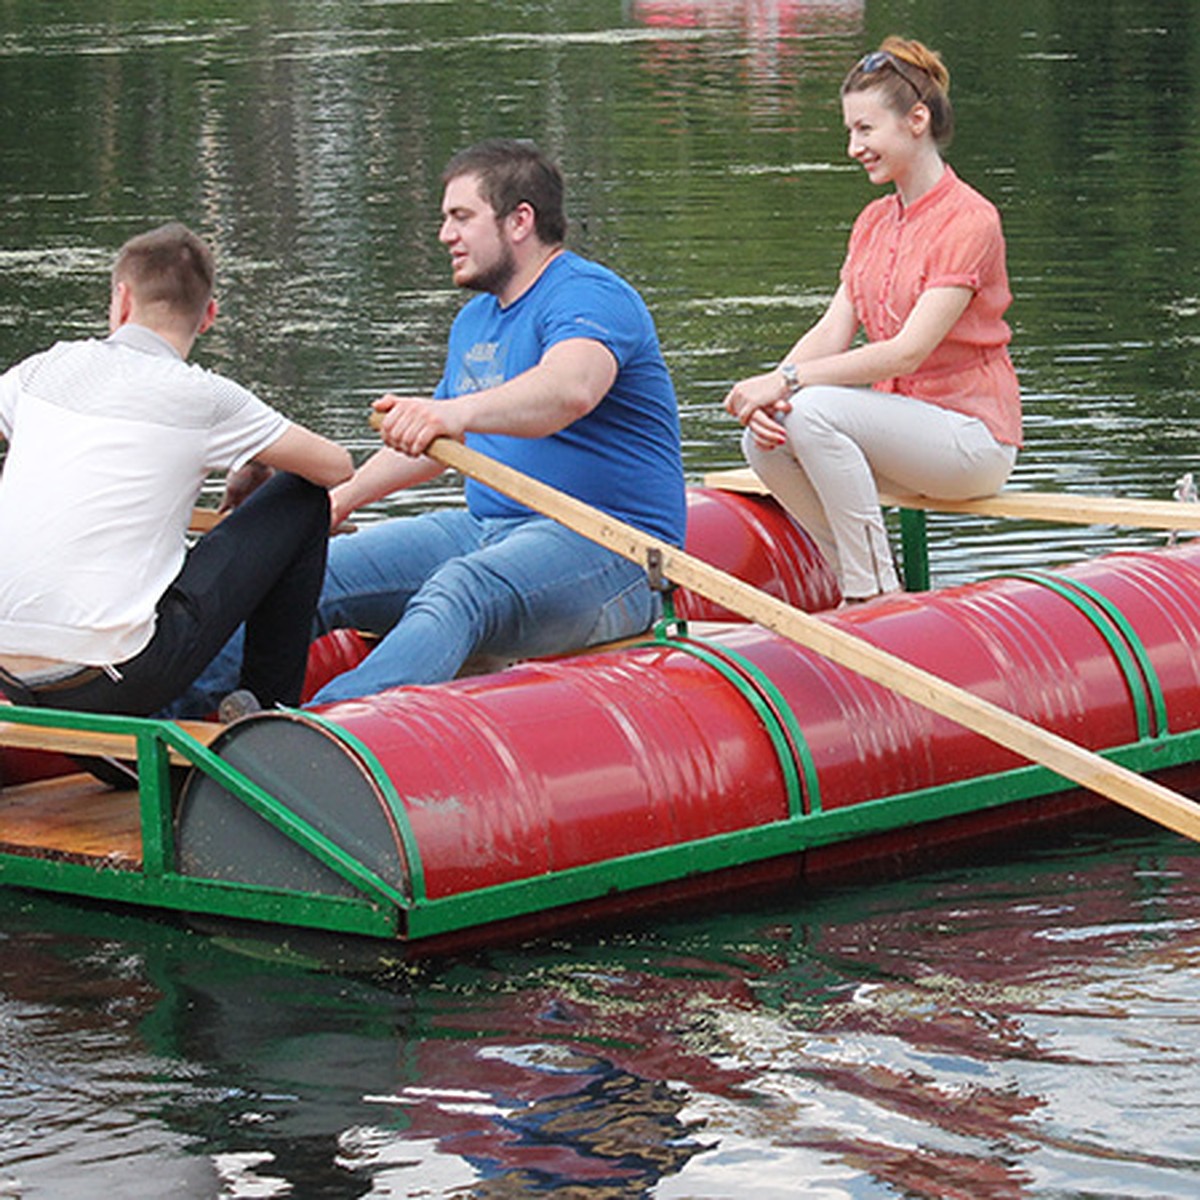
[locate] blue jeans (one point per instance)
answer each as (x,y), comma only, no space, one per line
(445,586)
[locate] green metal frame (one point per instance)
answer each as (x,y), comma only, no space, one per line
(914,549)
(1141,679)
(157,883)
(791,748)
(384,912)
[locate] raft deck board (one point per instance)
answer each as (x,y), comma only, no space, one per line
(73,818)
(77,818)
(1067,507)
(93,742)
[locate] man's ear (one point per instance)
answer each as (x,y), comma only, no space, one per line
(522,221)
(120,308)
(210,315)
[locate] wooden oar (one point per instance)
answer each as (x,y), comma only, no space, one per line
(1030,741)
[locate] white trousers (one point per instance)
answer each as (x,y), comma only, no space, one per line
(845,445)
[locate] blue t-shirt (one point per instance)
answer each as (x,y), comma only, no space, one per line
(624,456)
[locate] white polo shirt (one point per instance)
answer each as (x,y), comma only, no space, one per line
(109,443)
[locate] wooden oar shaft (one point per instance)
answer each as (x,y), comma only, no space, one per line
(1030,741)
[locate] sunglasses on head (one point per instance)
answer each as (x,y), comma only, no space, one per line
(878,59)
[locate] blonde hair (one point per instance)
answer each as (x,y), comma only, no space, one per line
(907,71)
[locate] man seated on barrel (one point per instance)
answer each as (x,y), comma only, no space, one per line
(554,369)
(102,605)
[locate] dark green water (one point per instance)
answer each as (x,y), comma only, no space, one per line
(1025,1028)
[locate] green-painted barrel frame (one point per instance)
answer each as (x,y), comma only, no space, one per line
(158,884)
(381,911)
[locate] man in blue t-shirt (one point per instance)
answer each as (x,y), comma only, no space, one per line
(554,368)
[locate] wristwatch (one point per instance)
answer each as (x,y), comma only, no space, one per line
(790,376)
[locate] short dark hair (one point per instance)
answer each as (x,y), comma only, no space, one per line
(169,267)
(513,171)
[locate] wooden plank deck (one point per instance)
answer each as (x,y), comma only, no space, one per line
(101,745)
(75,817)
(1068,508)
(72,818)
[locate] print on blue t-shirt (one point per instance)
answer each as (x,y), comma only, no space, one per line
(624,456)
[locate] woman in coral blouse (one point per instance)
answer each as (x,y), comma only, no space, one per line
(929,402)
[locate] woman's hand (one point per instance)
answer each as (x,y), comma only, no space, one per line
(759,403)
(766,391)
(766,428)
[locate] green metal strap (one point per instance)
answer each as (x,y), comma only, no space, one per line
(787,738)
(1110,622)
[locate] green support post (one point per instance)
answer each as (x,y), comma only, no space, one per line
(154,800)
(914,546)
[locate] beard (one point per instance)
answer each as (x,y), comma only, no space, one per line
(496,276)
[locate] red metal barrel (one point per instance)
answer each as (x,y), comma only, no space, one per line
(752,538)
(550,766)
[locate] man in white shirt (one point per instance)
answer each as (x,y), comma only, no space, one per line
(102,605)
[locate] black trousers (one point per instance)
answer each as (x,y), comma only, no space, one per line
(262,565)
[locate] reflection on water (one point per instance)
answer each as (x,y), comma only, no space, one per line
(1020,1028)
(1012,1030)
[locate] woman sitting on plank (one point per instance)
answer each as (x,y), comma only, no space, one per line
(929,403)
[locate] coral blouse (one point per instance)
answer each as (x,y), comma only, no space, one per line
(950,237)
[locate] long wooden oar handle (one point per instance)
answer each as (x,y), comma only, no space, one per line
(1030,741)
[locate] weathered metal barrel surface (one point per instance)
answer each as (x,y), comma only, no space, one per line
(553,765)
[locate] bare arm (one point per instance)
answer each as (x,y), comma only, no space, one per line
(830,336)
(383,473)
(308,455)
(570,380)
(932,317)
(824,356)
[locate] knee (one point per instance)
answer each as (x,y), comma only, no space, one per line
(821,421)
(825,410)
(307,502)
(811,411)
(466,586)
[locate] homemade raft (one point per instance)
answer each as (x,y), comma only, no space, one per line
(709,756)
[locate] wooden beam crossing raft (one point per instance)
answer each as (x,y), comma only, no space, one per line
(99,743)
(1067,508)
